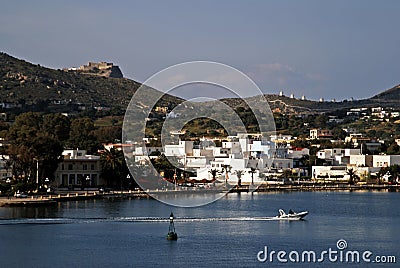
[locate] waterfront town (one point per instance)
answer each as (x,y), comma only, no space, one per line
(243,160)
(199,133)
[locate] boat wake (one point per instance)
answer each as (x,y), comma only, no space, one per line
(129,219)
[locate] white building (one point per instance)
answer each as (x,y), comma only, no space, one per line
(298,152)
(350,130)
(337,156)
(258,148)
(320,134)
(361,160)
(183,148)
(172,114)
(282,163)
(340,173)
(240,153)
(331,153)
(386,160)
(142,151)
(284,139)
(5,172)
(78,170)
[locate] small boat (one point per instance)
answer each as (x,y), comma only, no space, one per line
(172,235)
(291,215)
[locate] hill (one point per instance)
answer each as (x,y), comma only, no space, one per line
(28,87)
(390,96)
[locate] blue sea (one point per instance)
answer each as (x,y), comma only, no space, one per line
(231,232)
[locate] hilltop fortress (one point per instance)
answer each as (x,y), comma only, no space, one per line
(106,69)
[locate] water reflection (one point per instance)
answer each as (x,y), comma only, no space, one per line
(226,232)
(29,212)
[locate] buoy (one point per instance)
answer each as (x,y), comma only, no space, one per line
(172,235)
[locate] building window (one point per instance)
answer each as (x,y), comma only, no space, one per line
(94,179)
(62,167)
(80,179)
(92,166)
(84,166)
(64,179)
(71,179)
(70,167)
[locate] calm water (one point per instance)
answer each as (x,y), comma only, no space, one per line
(227,233)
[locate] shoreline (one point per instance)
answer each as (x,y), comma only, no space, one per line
(54,199)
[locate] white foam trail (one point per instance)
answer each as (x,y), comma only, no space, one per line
(128,219)
(154,219)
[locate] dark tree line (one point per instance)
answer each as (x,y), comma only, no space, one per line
(38,139)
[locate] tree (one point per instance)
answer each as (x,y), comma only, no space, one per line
(20,161)
(393,148)
(108,134)
(3,129)
(214,173)
(352,176)
(57,125)
(162,164)
(300,143)
(252,171)
(393,172)
(48,149)
(239,174)
(227,169)
(339,133)
(25,127)
(81,135)
(114,168)
(320,121)
(33,139)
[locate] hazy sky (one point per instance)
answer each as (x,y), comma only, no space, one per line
(331,49)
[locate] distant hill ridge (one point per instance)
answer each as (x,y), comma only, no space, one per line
(392,94)
(23,84)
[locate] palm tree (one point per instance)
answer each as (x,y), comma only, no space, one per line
(227,169)
(113,166)
(252,171)
(286,175)
(239,174)
(352,176)
(214,173)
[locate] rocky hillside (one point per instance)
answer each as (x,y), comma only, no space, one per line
(25,86)
(391,95)
(284,104)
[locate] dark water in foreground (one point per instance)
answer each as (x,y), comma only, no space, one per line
(226,233)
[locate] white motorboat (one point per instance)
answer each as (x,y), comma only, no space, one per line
(291,215)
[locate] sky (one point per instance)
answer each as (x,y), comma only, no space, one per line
(317,48)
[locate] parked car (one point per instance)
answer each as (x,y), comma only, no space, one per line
(20,195)
(104,190)
(50,190)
